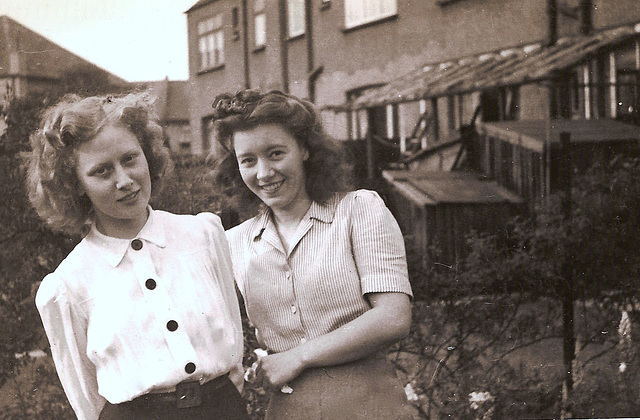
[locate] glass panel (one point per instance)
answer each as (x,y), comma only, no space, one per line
(358,12)
(260,30)
(220,49)
(296,17)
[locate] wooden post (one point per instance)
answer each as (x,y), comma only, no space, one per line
(371,174)
(567,274)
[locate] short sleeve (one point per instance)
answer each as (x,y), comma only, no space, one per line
(378,246)
(66,331)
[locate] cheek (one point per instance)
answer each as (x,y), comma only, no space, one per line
(246,175)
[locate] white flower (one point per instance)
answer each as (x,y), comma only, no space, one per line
(623,367)
(260,353)
(478,399)
(624,329)
(411,393)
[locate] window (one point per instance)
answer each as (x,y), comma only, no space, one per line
(295,9)
(359,12)
(260,24)
(211,42)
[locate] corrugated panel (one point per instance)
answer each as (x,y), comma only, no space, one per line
(507,67)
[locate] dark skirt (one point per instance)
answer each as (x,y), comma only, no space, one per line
(366,389)
(227,404)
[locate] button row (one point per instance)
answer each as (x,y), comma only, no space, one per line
(172,325)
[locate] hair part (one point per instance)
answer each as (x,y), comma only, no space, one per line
(326,169)
(52,181)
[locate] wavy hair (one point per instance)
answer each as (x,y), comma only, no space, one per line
(326,170)
(52,182)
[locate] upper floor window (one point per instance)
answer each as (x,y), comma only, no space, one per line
(295,9)
(211,42)
(259,24)
(359,12)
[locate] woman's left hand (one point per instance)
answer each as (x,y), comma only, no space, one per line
(275,370)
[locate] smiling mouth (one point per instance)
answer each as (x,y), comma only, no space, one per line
(129,197)
(272,187)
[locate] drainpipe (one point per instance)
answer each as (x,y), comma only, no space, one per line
(311,80)
(552,22)
(586,19)
(245,45)
(284,45)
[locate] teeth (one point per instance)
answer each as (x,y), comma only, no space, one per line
(271,187)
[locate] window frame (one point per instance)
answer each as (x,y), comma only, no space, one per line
(210,31)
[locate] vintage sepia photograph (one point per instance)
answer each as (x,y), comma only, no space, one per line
(319,209)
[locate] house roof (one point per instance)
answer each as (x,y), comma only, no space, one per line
(199,4)
(172,99)
(533,134)
(513,66)
(27,54)
(178,100)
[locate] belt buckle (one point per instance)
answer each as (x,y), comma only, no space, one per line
(188,394)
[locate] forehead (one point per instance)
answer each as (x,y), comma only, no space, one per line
(109,143)
(262,137)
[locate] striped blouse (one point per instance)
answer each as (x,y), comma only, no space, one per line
(341,251)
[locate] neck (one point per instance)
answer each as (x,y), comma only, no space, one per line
(292,216)
(121,228)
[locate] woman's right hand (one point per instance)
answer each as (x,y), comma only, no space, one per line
(276,370)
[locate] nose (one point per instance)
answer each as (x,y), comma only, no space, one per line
(263,170)
(123,179)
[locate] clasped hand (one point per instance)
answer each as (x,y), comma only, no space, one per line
(274,371)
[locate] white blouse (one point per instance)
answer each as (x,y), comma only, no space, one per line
(129,317)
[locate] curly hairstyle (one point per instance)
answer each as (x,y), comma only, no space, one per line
(52,182)
(326,169)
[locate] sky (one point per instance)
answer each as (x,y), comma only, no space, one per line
(137,40)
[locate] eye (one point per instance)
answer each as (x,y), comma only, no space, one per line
(246,161)
(130,158)
(277,153)
(102,172)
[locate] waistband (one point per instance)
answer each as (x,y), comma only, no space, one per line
(187,394)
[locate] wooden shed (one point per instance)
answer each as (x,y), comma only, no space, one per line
(524,156)
(437,210)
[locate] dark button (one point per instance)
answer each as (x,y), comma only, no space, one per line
(150,283)
(190,367)
(172,325)
(136,244)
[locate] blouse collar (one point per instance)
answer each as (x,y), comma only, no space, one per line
(321,212)
(114,249)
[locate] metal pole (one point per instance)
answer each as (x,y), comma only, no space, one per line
(567,274)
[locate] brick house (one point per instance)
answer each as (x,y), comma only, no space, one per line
(30,63)
(334,51)
(406,79)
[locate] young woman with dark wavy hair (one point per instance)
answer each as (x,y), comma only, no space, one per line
(322,269)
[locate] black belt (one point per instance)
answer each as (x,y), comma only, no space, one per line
(187,394)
